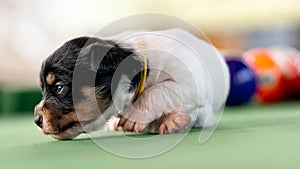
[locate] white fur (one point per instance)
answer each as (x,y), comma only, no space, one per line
(182,70)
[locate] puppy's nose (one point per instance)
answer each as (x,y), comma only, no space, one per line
(38,120)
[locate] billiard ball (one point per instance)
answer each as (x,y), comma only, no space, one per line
(242,82)
(271,82)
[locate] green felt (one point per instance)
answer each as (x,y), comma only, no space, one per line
(248,137)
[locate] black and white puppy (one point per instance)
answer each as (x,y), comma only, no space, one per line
(144,81)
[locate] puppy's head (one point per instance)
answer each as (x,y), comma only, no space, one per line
(58,113)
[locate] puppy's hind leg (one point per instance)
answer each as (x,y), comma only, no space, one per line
(173,122)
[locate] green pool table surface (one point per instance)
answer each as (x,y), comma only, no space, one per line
(248,137)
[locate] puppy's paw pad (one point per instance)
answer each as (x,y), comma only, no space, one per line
(174,122)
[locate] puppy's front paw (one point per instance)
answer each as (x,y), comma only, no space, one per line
(128,125)
(173,122)
(112,124)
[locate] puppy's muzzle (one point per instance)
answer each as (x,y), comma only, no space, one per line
(38,117)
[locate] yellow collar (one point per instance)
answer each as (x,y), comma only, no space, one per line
(141,85)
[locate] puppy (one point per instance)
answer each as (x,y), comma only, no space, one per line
(136,81)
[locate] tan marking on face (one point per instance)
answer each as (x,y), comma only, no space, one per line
(53,121)
(88,91)
(93,103)
(50,125)
(50,78)
(70,133)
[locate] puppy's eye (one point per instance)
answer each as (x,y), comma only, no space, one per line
(59,89)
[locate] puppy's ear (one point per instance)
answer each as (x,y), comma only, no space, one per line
(104,58)
(94,57)
(101,60)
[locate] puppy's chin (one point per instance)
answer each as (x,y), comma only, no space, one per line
(78,128)
(69,133)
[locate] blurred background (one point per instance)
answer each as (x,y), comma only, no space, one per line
(31,29)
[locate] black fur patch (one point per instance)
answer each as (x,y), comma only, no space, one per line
(91,56)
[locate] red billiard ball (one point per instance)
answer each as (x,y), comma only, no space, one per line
(271,83)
